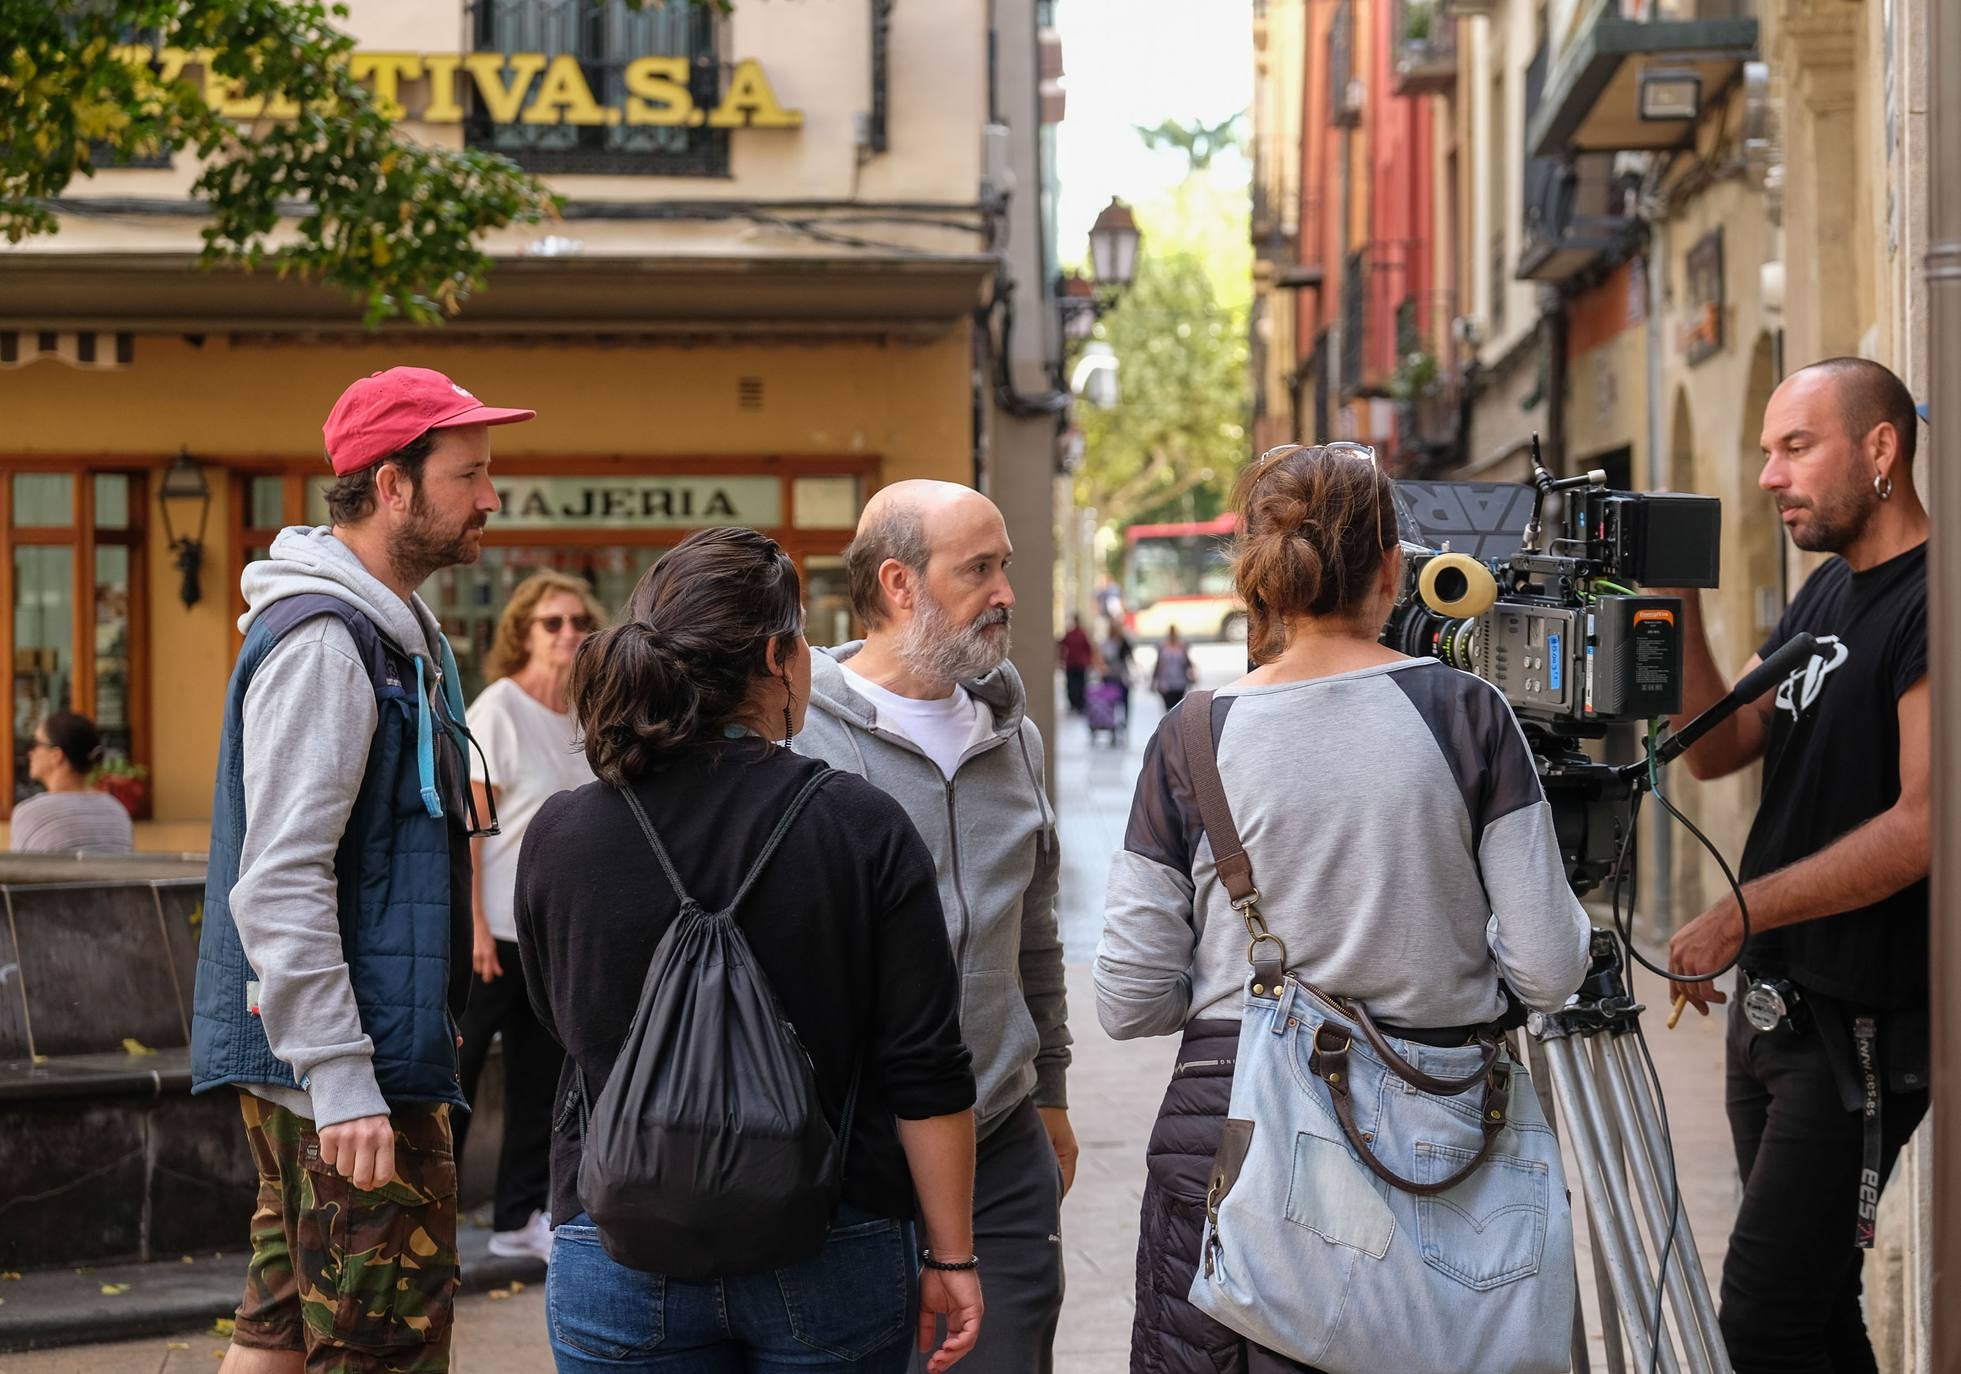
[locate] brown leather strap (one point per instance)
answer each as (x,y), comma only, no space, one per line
(1329,1063)
(1202,759)
(1401,1067)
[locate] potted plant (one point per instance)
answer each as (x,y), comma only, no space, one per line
(125,781)
(1419,23)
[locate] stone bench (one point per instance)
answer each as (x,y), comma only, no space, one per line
(104,1154)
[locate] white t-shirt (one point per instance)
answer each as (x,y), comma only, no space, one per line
(532,757)
(72,822)
(944,728)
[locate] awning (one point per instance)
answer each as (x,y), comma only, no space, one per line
(913,294)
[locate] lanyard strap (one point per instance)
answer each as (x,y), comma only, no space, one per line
(1865,1041)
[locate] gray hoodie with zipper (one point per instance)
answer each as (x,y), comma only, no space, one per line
(309,720)
(993,836)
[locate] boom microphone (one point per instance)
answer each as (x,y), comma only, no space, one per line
(1753,684)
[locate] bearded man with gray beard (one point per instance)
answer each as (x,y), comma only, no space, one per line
(928,708)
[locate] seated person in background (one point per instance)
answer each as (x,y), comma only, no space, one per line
(70,817)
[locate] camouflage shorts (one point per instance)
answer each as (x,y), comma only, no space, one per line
(363,1282)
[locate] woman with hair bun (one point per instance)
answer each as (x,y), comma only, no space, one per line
(70,817)
(683,706)
(1405,858)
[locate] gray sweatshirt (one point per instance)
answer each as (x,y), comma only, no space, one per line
(309,721)
(992,833)
(1400,841)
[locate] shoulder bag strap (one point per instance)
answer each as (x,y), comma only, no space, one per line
(1268,955)
(1264,950)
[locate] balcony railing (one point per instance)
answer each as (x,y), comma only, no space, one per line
(1426,47)
(1375,316)
(605,38)
(1575,217)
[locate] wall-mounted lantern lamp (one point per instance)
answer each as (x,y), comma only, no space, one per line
(1669,94)
(1113,246)
(185,488)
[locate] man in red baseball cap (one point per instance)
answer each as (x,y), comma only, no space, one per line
(335,953)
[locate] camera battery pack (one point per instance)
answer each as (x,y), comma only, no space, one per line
(1634,657)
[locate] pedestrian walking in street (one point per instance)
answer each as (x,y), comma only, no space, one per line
(1078,657)
(681,707)
(1828,1051)
(1119,658)
(1173,674)
(928,708)
(334,954)
(1404,859)
(70,817)
(529,746)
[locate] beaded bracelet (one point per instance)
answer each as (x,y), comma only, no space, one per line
(949,1266)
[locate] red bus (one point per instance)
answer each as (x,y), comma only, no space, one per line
(1180,574)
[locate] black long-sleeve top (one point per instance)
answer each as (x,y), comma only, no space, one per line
(845,922)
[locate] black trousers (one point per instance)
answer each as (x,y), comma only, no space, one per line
(531,1064)
(1018,1236)
(1076,685)
(1791,1280)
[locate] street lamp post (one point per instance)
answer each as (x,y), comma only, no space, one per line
(1113,245)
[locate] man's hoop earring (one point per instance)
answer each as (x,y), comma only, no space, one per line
(1882,486)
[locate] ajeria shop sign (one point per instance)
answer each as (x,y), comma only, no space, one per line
(512,88)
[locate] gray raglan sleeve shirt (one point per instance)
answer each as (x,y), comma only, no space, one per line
(1401,841)
(309,722)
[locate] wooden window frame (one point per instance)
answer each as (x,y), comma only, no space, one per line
(81,535)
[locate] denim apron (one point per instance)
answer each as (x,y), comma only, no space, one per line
(1308,1252)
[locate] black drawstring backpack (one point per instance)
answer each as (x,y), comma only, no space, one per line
(707,1154)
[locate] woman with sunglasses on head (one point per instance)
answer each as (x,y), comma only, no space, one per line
(1404,857)
(530,745)
(686,708)
(70,817)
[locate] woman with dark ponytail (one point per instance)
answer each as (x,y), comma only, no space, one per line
(69,817)
(684,705)
(1404,860)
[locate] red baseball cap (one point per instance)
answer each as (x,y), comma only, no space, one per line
(381,413)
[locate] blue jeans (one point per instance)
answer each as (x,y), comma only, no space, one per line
(852,1306)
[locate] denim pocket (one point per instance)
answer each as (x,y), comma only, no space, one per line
(853,1297)
(1330,1194)
(596,1305)
(1489,1230)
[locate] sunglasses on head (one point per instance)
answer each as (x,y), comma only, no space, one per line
(584,624)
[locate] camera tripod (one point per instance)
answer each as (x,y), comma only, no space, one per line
(1585,1059)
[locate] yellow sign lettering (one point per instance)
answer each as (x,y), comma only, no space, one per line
(527,87)
(386,71)
(440,68)
(564,97)
(657,91)
(487,69)
(751,102)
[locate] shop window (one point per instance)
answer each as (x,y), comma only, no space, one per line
(44,499)
(826,600)
(824,503)
(74,552)
(605,38)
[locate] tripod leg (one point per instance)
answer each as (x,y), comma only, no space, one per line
(1610,1316)
(1607,1200)
(1688,1285)
(1535,1058)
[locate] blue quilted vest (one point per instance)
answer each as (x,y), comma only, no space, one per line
(402,869)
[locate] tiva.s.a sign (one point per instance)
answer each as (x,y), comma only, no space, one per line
(510,88)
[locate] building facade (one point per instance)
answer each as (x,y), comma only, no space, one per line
(776,285)
(1646,213)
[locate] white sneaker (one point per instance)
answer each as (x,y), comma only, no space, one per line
(532,1241)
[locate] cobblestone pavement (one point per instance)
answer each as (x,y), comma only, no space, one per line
(1115,1089)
